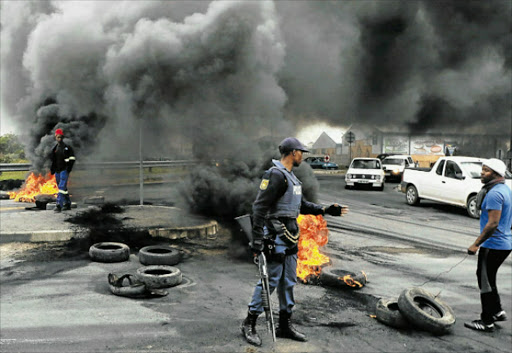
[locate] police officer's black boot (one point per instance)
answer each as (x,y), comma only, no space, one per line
(248,329)
(286,329)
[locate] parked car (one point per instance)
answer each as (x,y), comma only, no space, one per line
(394,166)
(320,163)
(365,171)
(452,180)
(384,155)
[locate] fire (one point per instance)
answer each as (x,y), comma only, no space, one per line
(313,234)
(351,282)
(35,185)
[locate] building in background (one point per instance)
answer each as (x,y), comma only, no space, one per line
(424,148)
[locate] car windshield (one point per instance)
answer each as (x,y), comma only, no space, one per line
(365,164)
(396,161)
(472,168)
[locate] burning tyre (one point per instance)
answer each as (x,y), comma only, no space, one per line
(109,252)
(388,313)
(425,311)
(159,276)
(337,277)
(159,255)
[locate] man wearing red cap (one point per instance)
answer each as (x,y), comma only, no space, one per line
(63,158)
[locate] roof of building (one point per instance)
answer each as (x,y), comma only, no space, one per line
(324,141)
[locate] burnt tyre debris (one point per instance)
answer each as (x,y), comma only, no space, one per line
(159,255)
(426,312)
(130,286)
(340,278)
(109,252)
(159,276)
(387,312)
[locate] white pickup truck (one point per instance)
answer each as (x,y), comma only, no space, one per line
(452,180)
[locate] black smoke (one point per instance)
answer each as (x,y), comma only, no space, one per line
(207,80)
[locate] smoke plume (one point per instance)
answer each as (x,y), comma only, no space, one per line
(215,78)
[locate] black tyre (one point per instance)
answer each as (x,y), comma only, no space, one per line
(159,276)
(109,252)
(473,212)
(126,285)
(425,311)
(336,277)
(388,313)
(159,255)
(381,188)
(411,195)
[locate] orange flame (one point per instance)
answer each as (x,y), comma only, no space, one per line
(352,282)
(35,185)
(313,234)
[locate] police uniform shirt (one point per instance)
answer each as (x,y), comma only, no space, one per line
(272,187)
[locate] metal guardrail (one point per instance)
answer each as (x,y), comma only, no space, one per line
(22,167)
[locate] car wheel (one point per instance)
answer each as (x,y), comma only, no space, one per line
(381,188)
(109,252)
(159,276)
(159,255)
(473,212)
(411,195)
(388,313)
(426,312)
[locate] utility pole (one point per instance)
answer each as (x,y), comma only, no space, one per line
(141,169)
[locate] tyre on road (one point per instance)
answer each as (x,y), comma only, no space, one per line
(159,255)
(159,276)
(118,285)
(411,195)
(130,286)
(473,212)
(337,277)
(388,313)
(426,312)
(109,252)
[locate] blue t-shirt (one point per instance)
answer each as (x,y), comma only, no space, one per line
(498,198)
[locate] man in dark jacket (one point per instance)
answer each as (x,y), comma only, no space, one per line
(276,232)
(63,158)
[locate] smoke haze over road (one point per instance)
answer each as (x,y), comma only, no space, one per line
(222,74)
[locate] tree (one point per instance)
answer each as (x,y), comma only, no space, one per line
(11,149)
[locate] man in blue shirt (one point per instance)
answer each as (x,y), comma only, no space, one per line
(494,242)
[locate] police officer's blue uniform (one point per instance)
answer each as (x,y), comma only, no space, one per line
(282,187)
(274,222)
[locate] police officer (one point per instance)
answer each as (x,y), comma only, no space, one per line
(63,158)
(275,211)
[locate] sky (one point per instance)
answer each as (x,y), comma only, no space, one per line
(6,124)
(310,133)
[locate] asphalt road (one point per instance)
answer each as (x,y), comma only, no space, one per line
(54,299)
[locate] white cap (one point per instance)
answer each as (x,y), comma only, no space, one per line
(497,165)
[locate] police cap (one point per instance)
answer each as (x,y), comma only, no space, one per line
(290,144)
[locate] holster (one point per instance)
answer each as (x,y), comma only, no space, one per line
(279,229)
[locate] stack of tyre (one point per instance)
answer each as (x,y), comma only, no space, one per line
(158,270)
(416,308)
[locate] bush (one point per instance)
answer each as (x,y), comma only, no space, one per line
(11,149)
